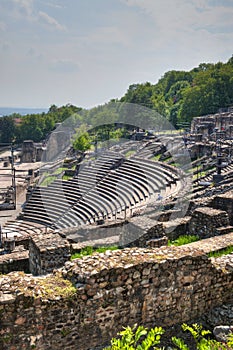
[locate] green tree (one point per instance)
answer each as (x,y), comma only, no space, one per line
(7,129)
(82,140)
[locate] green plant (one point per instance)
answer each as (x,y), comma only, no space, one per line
(67,177)
(137,338)
(221,252)
(90,250)
(185,239)
(201,343)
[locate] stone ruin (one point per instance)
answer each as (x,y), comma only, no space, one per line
(31,152)
(207,124)
(148,283)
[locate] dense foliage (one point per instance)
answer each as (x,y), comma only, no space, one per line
(36,127)
(179,96)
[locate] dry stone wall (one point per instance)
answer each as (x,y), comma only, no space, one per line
(160,286)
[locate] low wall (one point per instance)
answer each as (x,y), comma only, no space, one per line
(160,286)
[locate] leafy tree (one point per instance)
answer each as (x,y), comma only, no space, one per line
(7,129)
(82,140)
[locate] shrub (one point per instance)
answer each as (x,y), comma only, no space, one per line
(139,338)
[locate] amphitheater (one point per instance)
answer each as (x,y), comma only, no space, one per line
(137,196)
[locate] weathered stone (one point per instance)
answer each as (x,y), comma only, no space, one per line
(221,333)
(47,252)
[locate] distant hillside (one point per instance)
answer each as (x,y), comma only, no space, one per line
(181,95)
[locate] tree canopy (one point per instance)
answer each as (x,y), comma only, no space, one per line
(180,95)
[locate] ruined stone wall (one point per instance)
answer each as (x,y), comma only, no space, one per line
(205,221)
(225,202)
(162,286)
(47,252)
(218,120)
(28,152)
(139,230)
(15,261)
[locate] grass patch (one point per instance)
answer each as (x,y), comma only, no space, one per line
(90,250)
(185,239)
(199,175)
(157,157)
(222,252)
(48,180)
(59,171)
(129,153)
(167,159)
(67,177)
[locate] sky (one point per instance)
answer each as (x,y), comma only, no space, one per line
(86,52)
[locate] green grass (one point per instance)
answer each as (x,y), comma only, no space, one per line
(185,239)
(167,159)
(199,175)
(67,177)
(222,252)
(48,180)
(129,153)
(59,170)
(90,250)
(156,157)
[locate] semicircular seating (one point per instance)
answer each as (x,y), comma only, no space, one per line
(103,189)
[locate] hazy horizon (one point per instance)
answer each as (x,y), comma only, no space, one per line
(4,111)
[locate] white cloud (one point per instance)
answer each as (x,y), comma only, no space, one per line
(171,15)
(50,21)
(25,6)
